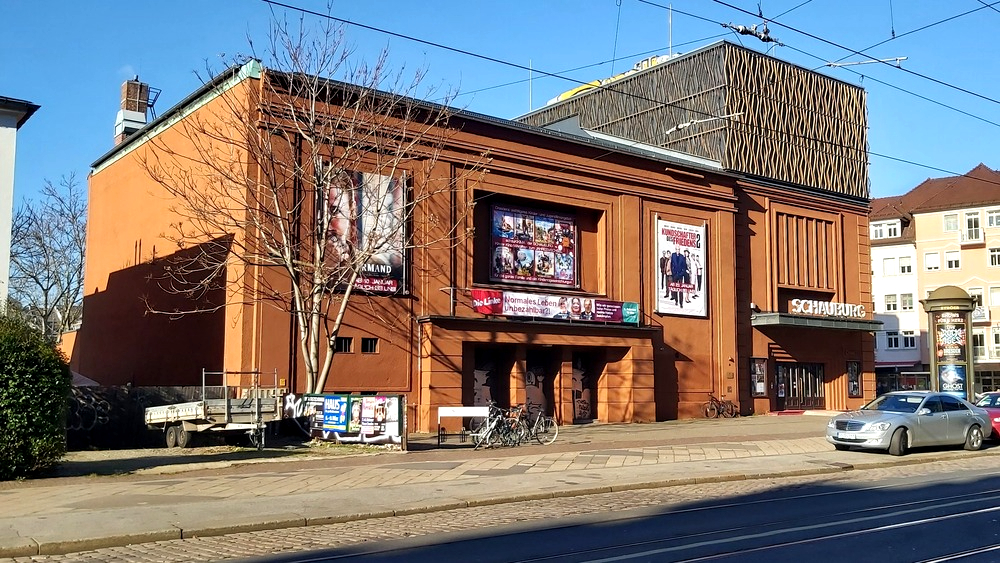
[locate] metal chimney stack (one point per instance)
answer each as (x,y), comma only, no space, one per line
(132,115)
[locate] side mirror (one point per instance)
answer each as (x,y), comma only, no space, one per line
(923,412)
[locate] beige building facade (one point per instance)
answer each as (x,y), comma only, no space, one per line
(952,225)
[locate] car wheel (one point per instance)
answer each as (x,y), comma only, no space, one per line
(899,443)
(842,447)
(974,439)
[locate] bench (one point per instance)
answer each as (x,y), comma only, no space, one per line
(459,412)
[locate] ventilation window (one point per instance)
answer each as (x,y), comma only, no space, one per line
(345,344)
(369,345)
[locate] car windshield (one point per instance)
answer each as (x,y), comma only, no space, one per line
(895,403)
(989,401)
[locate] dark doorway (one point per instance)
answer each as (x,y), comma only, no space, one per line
(490,378)
(588,365)
(799,386)
(539,377)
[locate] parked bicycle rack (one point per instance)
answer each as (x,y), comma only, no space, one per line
(459,412)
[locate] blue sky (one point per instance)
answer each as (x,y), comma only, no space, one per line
(936,116)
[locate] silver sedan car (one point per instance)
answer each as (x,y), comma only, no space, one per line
(902,419)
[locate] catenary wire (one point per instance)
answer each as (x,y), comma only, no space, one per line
(607,87)
(860,53)
(555,75)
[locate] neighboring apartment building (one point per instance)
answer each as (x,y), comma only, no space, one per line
(895,292)
(949,234)
(13,114)
(742,270)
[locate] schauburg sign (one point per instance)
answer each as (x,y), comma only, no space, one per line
(827,308)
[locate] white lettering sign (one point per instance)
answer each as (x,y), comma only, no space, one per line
(827,308)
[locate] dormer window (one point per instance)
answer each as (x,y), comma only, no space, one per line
(885,229)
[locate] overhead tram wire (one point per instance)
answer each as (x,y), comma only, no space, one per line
(914,94)
(924,27)
(861,74)
(478,55)
(594,65)
(607,88)
(862,54)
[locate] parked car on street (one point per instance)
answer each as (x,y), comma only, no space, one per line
(990,402)
(900,420)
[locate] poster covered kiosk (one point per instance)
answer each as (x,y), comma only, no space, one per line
(949,318)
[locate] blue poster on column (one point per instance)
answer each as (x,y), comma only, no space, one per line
(335,413)
(951,379)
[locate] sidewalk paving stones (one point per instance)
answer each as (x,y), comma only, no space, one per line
(63,515)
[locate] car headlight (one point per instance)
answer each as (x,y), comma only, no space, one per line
(879,426)
(996,419)
(831,424)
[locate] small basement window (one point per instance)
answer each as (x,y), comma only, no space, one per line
(345,344)
(369,345)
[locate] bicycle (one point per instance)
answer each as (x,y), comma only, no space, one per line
(715,407)
(543,429)
(500,427)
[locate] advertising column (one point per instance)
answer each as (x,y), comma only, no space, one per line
(949,311)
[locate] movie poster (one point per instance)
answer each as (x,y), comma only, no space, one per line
(681,285)
(952,380)
(367,218)
(950,344)
(533,247)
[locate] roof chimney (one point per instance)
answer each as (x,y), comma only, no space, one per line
(132,115)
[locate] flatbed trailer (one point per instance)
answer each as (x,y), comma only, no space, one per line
(240,412)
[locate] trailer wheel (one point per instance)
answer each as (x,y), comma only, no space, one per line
(171,436)
(184,437)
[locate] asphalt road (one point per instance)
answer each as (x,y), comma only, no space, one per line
(943,512)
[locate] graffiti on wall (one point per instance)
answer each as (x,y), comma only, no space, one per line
(534,390)
(482,385)
(581,395)
(112,417)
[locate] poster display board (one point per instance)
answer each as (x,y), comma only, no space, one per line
(758,377)
(369,419)
(533,247)
(681,285)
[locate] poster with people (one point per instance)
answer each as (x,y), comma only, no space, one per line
(533,247)
(558,307)
(681,285)
(367,229)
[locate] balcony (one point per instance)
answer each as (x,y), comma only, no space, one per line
(970,237)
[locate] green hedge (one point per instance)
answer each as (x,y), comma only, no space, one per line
(34,390)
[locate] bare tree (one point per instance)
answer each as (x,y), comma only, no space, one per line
(310,186)
(48,238)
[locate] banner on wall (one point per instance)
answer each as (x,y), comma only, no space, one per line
(533,247)
(560,307)
(367,216)
(681,286)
